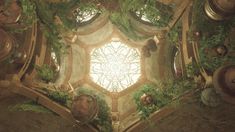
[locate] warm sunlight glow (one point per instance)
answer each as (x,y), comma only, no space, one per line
(115,66)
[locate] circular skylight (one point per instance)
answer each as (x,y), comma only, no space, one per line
(115,66)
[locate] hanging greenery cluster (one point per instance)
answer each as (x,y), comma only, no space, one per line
(45,13)
(28,12)
(122,21)
(45,72)
(161,96)
(192,69)
(174,35)
(103,119)
(60,97)
(212,34)
(157,13)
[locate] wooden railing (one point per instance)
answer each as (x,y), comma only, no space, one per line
(31,42)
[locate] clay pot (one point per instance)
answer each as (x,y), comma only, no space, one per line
(11,14)
(84,108)
(145,51)
(151,45)
(146,99)
(210,98)
(221,50)
(224,82)
(220,9)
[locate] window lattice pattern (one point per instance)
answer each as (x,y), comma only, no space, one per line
(115,66)
(142,16)
(84,15)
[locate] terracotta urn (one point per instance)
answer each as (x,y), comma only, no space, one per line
(221,50)
(224,82)
(84,108)
(220,9)
(151,45)
(11,14)
(146,99)
(210,98)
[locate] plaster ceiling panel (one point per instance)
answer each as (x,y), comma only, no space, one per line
(99,37)
(126,105)
(79,63)
(64,60)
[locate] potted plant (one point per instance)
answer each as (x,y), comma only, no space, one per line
(98,112)
(45,73)
(150,98)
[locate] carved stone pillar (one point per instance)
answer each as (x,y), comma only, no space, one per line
(220,9)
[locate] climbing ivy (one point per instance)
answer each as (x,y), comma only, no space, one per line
(212,34)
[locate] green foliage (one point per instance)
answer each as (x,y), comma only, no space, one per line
(212,34)
(161,96)
(63,11)
(122,21)
(158,13)
(30,106)
(28,12)
(45,72)
(60,97)
(145,111)
(33,10)
(50,29)
(192,69)
(174,34)
(103,119)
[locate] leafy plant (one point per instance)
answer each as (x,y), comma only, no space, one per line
(60,97)
(145,111)
(174,34)
(28,12)
(103,119)
(122,21)
(45,72)
(192,69)
(161,96)
(44,12)
(30,106)
(158,14)
(211,34)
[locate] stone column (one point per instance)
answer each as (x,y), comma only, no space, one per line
(220,9)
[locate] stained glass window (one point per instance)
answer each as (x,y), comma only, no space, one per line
(115,66)
(84,15)
(142,16)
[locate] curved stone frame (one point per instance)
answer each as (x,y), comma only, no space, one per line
(115,98)
(65,112)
